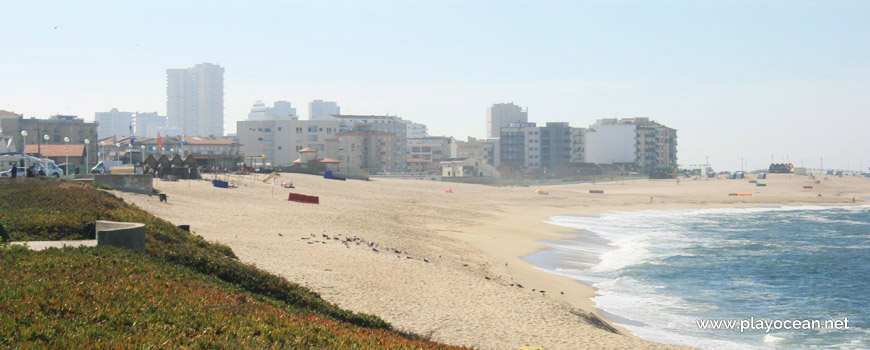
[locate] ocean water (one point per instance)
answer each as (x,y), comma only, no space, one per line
(660,273)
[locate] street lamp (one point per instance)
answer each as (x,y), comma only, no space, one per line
(143,153)
(66,140)
(87,156)
(24,143)
(46,138)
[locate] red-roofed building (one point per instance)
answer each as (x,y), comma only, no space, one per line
(59,153)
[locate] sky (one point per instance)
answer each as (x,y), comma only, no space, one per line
(742,81)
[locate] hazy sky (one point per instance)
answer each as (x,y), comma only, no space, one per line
(736,78)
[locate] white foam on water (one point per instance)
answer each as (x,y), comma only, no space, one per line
(648,237)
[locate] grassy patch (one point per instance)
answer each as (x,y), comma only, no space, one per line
(50,210)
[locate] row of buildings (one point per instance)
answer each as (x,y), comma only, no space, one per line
(389,144)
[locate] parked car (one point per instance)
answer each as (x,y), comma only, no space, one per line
(21,172)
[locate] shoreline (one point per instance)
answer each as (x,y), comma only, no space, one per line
(586,236)
(475,232)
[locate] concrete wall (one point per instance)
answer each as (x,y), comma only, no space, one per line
(129,235)
(127,182)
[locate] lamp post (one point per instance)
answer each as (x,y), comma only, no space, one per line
(24,150)
(142,155)
(87,156)
(118,151)
(46,138)
(66,140)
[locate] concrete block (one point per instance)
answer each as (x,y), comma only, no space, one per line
(129,235)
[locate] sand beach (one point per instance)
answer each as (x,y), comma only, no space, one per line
(473,240)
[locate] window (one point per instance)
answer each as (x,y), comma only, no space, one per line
(279,148)
(312,138)
(279,128)
(268,130)
(312,129)
(299,148)
(298,130)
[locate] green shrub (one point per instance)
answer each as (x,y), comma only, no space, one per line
(50,210)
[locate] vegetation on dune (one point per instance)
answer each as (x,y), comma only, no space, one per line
(184,291)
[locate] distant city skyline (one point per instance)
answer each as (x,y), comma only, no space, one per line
(738,79)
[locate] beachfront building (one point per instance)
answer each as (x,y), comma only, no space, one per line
(113,123)
(467,167)
(366,149)
(432,150)
(211,151)
(319,108)
(195,99)
(501,115)
(520,145)
(528,146)
(578,145)
(56,127)
(485,150)
(398,150)
(278,140)
(556,145)
(279,109)
(642,143)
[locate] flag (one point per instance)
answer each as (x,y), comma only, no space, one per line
(131,134)
(159,141)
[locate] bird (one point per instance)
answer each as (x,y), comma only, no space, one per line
(520,285)
(425,260)
(280,235)
(464,264)
(305,238)
(55,27)
(310,242)
(486,277)
(407,257)
(542,291)
(563,293)
(374,249)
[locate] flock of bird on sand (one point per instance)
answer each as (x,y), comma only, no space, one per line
(375,247)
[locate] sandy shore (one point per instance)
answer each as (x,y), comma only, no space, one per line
(472,233)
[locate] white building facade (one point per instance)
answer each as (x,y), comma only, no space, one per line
(318,109)
(278,109)
(113,123)
(281,138)
(195,99)
(502,115)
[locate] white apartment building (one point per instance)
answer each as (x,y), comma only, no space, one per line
(113,123)
(473,148)
(382,124)
(278,109)
(195,99)
(281,138)
(520,145)
(432,148)
(148,124)
(319,108)
(501,115)
(639,141)
(416,130)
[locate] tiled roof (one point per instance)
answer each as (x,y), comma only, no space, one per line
(75,150)
(306,150)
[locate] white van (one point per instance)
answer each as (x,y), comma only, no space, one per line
(22,161)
